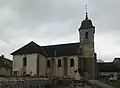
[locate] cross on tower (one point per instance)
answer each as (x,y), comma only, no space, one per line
(86,12)
(86,8)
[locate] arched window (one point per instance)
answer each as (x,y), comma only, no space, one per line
(59,63)
(24,61)
(71,62)
(86,35)
(48,63)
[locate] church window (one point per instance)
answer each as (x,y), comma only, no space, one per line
(59,63)
(86,35)
(24,61)
(71,62)
(48,63)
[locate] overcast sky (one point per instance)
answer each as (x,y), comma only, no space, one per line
(57,21)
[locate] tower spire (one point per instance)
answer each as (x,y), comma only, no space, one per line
(86,12)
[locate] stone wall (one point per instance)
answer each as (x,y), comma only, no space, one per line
(23,83)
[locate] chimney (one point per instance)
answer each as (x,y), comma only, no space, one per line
(2,56)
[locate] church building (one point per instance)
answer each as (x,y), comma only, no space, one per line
(63,60)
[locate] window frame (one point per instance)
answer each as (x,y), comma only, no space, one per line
(48,63)
(24,61)
(72,62)
(59,63)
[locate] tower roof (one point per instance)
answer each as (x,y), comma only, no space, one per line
(87,23)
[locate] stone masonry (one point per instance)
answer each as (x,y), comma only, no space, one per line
(23,83)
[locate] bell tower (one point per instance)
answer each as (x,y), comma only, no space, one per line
(86,36)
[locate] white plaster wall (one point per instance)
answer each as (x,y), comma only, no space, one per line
(48,69)
(42,65)
(31,63)
(17,62)
(90,31)
(56,71)
(53,67)
(59,71)
(72,69)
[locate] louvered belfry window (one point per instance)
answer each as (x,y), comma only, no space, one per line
(86,35)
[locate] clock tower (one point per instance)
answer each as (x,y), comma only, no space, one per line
(87,57)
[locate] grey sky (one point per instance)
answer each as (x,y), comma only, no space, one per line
(57,21)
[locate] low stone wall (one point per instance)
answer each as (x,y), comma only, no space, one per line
(23,78)
(23,82)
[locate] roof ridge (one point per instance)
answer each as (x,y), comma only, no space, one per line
(27,45)
(60,44)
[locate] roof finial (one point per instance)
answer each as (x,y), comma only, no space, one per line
(86,13)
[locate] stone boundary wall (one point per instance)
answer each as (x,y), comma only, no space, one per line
(23,78)
(15,82)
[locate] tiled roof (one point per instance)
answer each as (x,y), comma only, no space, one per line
(6,63)
(29,49)
(62,49)
(50,50)
(107,67)
(116,59)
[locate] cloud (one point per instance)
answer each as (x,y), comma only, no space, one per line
(107,47)
(57,21)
